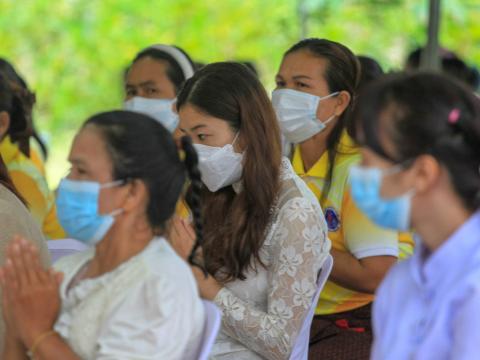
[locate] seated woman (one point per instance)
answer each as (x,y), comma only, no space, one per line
(25,171)
(15,219)
(421,170)
(265,236)
(153,81)
(316,88)
(129,296)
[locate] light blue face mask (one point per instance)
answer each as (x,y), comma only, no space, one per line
(77,209)
(297,114)
(366,183)
(159,109)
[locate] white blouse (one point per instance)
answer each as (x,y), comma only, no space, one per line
(263,314)
(147,308)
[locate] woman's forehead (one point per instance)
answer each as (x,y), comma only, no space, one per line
(89,147)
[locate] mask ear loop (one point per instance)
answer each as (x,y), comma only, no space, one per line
(399,167)
(112,184)
(330,119)
(330,95)
(235,138)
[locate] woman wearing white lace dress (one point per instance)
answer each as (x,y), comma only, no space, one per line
(264,234)
(131,296)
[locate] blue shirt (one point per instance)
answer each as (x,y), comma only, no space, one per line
(430,308)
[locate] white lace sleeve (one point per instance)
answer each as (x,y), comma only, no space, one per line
(298,248)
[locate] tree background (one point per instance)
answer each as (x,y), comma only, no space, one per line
(73,52)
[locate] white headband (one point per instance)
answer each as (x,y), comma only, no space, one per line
(178,56)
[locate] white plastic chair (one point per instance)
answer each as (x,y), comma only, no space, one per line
(300,349)
(64,247)
(213,317)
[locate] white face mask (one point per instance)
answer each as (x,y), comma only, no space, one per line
(159,109)
(297,114)
(219,166)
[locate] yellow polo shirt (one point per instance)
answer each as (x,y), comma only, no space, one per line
(29,179)
(349,229)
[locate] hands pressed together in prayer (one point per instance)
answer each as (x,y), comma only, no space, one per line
(182,239)
(30,296)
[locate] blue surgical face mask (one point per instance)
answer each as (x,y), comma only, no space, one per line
(366,183)
(77,209)
(159,109)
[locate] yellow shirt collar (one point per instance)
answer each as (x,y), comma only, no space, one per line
(320,169)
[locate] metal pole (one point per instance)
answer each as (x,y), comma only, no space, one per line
(430,59)
(303,18)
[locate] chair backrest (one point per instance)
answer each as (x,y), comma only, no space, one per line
(300,349)
(213,318)
(64,247)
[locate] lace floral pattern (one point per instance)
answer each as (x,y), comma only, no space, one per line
(264,313)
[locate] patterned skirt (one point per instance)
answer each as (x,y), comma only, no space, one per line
(342,336)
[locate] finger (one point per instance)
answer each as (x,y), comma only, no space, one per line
(170,229)
(2,277)
(5,305)
(176,230)
(43,276)
(55,280)
(37,261)
(9,251)
(27,262)
(35,253)
(10,296)
(189,230)
(177,223)
(10,275)
(4,300)
(18,265)
(59,277)
(36,264)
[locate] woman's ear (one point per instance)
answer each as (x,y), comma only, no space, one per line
(4,124)
(428,173)
(343,100)
(136,196)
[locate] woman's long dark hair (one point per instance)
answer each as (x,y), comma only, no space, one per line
(236,224)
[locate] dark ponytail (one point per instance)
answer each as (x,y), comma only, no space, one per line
(194,196)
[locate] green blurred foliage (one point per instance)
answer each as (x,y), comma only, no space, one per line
(73,52)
